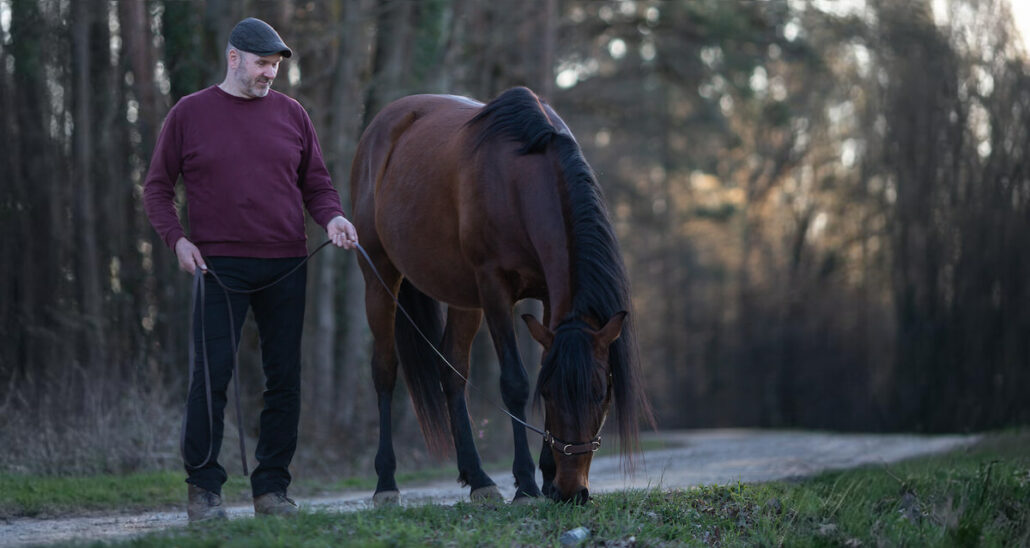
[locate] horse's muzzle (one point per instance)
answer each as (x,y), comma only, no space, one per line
(579,496)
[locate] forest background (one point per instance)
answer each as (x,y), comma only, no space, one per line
(824,207)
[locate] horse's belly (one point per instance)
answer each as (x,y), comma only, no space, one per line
(436,270)
(447,287)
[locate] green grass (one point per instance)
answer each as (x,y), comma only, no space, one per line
(46,496)
(37,496)
(43,496)
(974,497)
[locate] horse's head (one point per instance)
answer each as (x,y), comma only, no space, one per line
(575,383)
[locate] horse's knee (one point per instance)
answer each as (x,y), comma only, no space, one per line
(515,389)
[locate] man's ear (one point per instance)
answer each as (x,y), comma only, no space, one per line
(542,335)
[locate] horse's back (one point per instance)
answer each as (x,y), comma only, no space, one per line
(442,111)
(404,188)
(443,204)
(389,125)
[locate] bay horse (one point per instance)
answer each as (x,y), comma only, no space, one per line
(475,207)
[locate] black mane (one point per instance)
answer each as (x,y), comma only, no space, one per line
(600,285)
(517,115)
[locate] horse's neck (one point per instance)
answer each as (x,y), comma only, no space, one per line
(558,299)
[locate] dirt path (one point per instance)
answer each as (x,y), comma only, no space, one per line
(693,458)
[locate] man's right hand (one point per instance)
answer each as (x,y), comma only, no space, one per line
(189,256)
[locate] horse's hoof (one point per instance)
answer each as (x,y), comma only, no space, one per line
(526,496)
(488,494)
(386,498)
(523,499)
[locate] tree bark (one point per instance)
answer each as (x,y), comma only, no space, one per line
(87,253)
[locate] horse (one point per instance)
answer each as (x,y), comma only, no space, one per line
(475,207)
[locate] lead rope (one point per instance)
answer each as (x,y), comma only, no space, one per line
(198,290)
(375,271)
(564,447)
(200,296)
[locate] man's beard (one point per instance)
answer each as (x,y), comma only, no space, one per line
(253,85)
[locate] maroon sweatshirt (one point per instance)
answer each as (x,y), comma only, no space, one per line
(249,166)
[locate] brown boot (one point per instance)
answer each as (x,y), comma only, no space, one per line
(275,504)
(204,505)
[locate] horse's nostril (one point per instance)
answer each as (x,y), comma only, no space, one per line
(582,496)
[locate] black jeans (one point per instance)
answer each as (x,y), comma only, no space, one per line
(279,313)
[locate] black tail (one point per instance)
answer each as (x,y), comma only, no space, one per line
(422,366)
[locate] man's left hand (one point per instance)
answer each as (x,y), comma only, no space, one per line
(342,233)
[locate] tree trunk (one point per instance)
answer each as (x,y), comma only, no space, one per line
(353,360)
(390,58)
(85,224)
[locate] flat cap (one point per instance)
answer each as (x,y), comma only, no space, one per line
(258,37)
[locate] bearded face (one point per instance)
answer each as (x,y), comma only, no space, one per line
(254,74)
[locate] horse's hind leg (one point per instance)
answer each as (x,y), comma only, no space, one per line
(381,310)
(461,329)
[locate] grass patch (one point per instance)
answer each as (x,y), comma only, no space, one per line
(46,496)
(976,496)
(972,497)
(648,517)
(52,496)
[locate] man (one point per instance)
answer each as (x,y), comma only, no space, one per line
(250,163)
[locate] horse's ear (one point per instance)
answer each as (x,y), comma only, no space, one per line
(611,330)
(542,335)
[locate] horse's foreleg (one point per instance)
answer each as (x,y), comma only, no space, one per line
(461,329)
(547,469)
(514,387)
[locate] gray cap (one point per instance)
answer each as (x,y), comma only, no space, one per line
(258,37)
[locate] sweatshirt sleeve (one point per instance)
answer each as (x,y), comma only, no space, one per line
(316,186)
(159,186)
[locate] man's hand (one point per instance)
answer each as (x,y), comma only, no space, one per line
(189,256)
(342,233)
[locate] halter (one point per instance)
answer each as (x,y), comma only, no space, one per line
(570,449)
